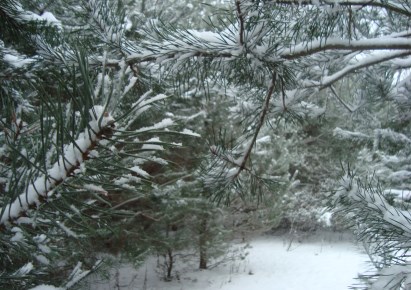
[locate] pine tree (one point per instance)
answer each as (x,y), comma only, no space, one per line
(375,194)
(76,90)
(76,134)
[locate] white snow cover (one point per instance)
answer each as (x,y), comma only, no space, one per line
(393,136)
(48,17)
(348,135)
(160,125)
(27,268)
(150,146)
(140,171)
(142,102)
(389,277)
(371,59)
(77,274)
(400,176)
(96,188)
(191,133)
(18,235)
(68,231)
(46,287)
(17,60)
(401,194)
(363,44)
(72,158)
(328,261)
(265,139)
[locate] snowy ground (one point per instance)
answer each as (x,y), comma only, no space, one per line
(322,262)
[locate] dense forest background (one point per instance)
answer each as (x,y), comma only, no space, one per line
(166,127)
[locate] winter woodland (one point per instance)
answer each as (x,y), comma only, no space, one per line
(132,129)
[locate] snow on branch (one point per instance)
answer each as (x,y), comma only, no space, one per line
(370,198)
(365,62)
(349,135)
(321,44)
(22,15)
(393,136)
(15,59)
(394,277)
(385,227)
(386,134)
(73,156)
(212,45)
(389,5)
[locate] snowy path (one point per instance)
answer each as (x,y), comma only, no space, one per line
(310,265)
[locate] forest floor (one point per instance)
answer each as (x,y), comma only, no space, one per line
(322,261)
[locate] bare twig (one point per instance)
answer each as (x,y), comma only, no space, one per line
(241,20)
(261,121)
(283,94)
(340,100)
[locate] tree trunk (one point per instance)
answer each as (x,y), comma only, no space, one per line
(170,263)
(203,242)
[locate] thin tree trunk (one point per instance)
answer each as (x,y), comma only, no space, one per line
(203,242)
(170,263)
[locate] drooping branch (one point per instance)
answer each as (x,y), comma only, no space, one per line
(73,156)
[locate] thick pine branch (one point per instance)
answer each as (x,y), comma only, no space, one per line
(363,3)
(74,155)
(295,52)
(319,45)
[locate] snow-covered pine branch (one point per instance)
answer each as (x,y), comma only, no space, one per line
(386,229)
(72,158)
(394,6)
(315,46)
(365,62)
(349,135)
(180,45)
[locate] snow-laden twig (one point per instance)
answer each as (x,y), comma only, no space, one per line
(73,156)
(318,45)
(377,213)
(350,135)
(400,9)
(365,62)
